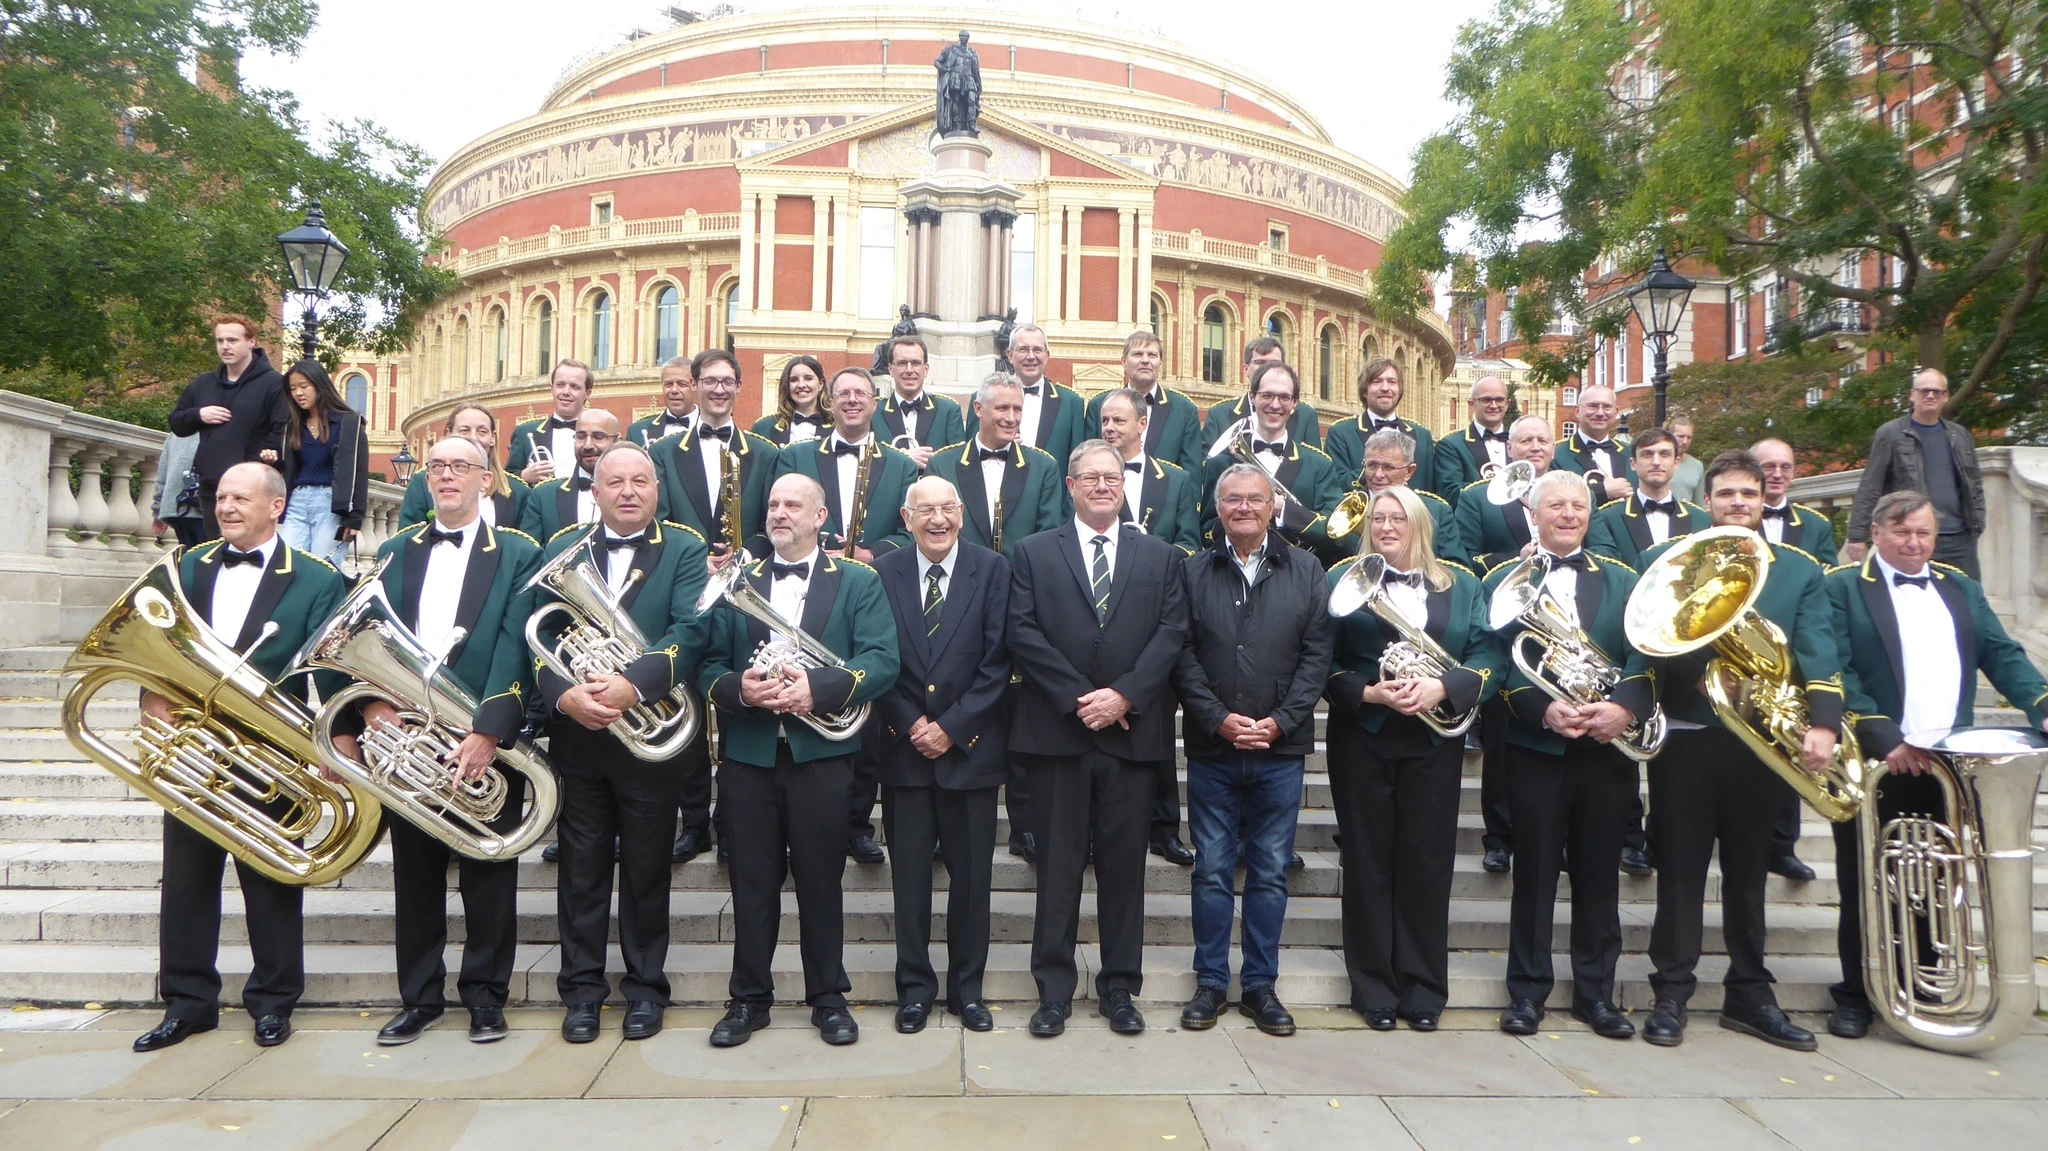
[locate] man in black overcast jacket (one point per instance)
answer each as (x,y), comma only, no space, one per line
(237,409)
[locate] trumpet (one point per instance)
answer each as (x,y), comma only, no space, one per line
(788,650)
(1414,655)
(1557,656)
(601,640)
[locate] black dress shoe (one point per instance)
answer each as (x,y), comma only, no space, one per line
(1295,862)
(1116,1006)
(1791,867)
(1635,861)
(1522,1017)
(171,1032)
(273,1030)
(1201,1011)
(487,1024)
(1264,1009)
(1496,861)
(974,1016)
(1666,1025)
(407,1025)
(1769,1024)
(937,855)
(552,853)
(724,852)
(911,1017)
(1379,1018)
(689,846)
(1849,1022)
(1025,847)
(1605,1019)
(579,1023)
(1050,1019)
(1420,1020)
(643,1019)
(1172,850)
(864,849)
(740,1022)
(835,1025)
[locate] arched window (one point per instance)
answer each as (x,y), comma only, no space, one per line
(600,331)
(732,312)
(668,312)
(355,389)
(1326,362)
(544,343)
(1213,357)
(501,344)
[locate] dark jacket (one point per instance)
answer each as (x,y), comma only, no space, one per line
(258,403)
(351,457)
(1895,466)
(1258,651)
(957,676)
(1457,622)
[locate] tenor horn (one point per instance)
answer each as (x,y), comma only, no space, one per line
(1558,656)
(788,649)
(1414,655)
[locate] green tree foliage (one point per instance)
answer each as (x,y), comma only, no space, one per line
(141,189)
(1747,135)
(1733,405)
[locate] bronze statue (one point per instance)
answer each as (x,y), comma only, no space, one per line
(904,327)
(959,89)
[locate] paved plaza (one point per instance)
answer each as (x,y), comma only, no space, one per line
(68,1080)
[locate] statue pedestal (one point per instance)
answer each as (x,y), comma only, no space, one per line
(960,261)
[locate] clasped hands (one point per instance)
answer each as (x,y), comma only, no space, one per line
(1407,696)
(599,700)
(1102,707)
(1603,722)
(1248,734)
(788,693)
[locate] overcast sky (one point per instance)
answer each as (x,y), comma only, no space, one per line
(439,73)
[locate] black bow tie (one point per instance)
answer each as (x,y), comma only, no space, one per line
(1154,397)
(673,421)
(229,557)
(1406,579)
(1276,447)
(986,455)
(842,448)
(1033,389)
(558,423)
(1899,580)
(1377,423)
(777,570)
(724,433)
(1501,435)
(905,407)
(637,543)
(800,418)
(1784,513)
(1135,466)
(1575,560)
(436,537)
(579,483)
(1600,445)
(1668,507)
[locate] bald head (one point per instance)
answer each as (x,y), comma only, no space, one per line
(796,514)
(1489,402)
(248,502)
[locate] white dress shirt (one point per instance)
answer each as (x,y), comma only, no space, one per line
(617,564)
(1087,541)
(846,465)
(1269,460)
(1034,410)
(560,444)
(1134,489)
(1927,649)
(1496,450)
(1411,602)
(441,589)
(1562,582)
(787,595)
(487,510)
(910,417)
(666,424)
(991,477)
(947,565)
(586,503)
(1659,520)
(1774,528)
(234,589)
(1247,566)
(1604,457)
(713,457)
(804,431)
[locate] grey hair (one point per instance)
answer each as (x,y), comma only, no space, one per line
(1131,396)
(815,489)
(996,380)
(1892,509)
(1556,478)
(1234,471)
(1022,328)
(1087,448)
(621,446)
(950,489)
(482,456)
(682,362)
(1392,439)
(1539,421)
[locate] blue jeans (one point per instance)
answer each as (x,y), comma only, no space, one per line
(1263,791)
(310,523)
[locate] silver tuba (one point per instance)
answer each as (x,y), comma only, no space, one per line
(1556,654)
(407,768)
(1960,893)
(601,639)
(787,649)
(1414,655)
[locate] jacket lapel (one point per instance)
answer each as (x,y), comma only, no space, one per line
(645,560)
(1120,575)
(413,573)
(828,478)
(891,418)
(1071,546)
(1877,601)
(1438,621)
(269,590)
(1476,448)
(764,586)
(1592,589)
(1013,485)
(820,598)
(206,569)
(974,493)
(565,504)
(477,581)
(505,507)
(1639,525)
(963,587)
(1048,411)
(1155,421)
(690,467)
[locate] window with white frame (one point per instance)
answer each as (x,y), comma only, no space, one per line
(1600,361)
(1620,348)
(878,264)
(1738,324)
(1024,266)
(1814,395)
(1569,397)
(668,313)
(1571,428)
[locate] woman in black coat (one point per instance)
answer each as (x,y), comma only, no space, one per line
(326,465)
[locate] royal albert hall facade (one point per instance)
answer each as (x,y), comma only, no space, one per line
(736,182)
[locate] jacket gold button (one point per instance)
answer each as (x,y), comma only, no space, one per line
(931,687)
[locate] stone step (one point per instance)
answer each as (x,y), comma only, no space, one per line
(106,713)
(60,781)
(45,657)
(47,745)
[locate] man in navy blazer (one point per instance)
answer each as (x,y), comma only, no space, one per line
(940,741)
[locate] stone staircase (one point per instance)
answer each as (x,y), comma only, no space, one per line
(79,868)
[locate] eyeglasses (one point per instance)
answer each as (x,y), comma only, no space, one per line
(1099,479)
(1930,391)
(1381,469)
(1274,398)
(927,511)
(596,437)
(1491,400)
(1389,520)
(452,467)
(719,383)
(1774,469)
(1235,501)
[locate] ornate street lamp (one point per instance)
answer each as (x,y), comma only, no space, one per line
(403,465)
(1658,302)
(314,258)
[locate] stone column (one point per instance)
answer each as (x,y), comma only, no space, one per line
(63,505)
(1126,261)
(92,504)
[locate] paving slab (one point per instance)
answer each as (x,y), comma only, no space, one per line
(642,1124)
(1840,1125)
(28,1017)
(785,1061)
(104,1065)
(1016,1123)
(1401,1063)
(188,1125)
(442,1064)
(2019,1070)
(1574,1124)
(1710,1064)
(1090,1059)
(1292,1122)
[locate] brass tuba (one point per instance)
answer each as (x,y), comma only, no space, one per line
(1414,655)
(1558,656)
(789,647)
(234,746)
(1703,591)
(1948,907)
(601,639)
(407,768)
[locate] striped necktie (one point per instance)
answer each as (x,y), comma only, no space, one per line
(1098,579)
(934,600)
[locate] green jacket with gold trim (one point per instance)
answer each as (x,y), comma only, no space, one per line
(1602,601)
(1457,622)
(662,603)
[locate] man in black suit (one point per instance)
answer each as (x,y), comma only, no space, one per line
(940,738)
(1098,612)
(656,572)
(236,586)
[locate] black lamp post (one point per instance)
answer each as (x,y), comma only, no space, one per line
(314,258)
(1658,302)
(403,465)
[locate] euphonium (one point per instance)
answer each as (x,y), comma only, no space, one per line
(600,639)
(1349,513)
(1948,906)
(234,745)
(1510,484)
(789,647)
(1703,591)
(1414,655)
(408,767)
(1558,656)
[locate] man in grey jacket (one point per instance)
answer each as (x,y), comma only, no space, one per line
(1923,452)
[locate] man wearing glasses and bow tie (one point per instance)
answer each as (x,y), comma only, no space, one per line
(538,445)
(1468,456)
(568,501)
(1301,469)
(915,421)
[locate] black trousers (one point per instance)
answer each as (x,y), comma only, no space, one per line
(606,792)
(787,819)
(1959,549)
(1112,797)
(1165,800)
(963,824)
(693,786)
(1017,803)
(188,529)
(862,792)
(209,528)
(1567,808)
(1707,787)
(1493,783)
(188,938)
(1396,797)
(490,892)
(1785,829)
(1896,795)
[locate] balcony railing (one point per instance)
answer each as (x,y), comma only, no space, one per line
(618,234)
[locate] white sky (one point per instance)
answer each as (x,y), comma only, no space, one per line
(439,73)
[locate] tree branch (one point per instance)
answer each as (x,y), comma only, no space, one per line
(2008,320)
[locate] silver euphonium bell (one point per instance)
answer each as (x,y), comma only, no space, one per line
(1511,484)
(1557,655)
(600,639)
(787,648)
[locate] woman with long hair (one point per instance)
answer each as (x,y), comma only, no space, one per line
(326,464)
(800,413)
(504,500)
(1394,780)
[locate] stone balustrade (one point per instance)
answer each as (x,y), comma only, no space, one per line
(76,519)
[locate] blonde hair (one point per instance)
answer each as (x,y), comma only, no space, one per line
(1421,553)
